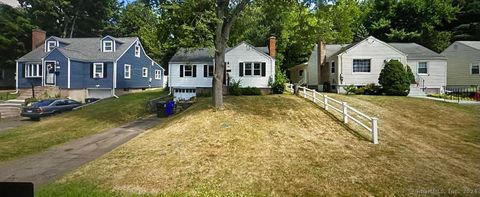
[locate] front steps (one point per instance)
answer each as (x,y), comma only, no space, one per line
(416,91)
(11,108)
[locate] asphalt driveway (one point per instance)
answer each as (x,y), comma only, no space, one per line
(11,123)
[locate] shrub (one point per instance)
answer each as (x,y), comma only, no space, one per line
(394,79)
(410,75)
(372,89)
(360,90)
(278,86)
(30,100)
(234,88)
(350,89)
(250,91)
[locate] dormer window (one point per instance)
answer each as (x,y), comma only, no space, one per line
(51,45)
(137,50)
(107,46)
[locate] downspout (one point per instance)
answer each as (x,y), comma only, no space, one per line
(114,79)
(340,73)
(16,77)
(169,81)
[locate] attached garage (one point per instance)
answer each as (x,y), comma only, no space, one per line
(99,93)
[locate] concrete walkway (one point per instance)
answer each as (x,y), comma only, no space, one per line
(45,167)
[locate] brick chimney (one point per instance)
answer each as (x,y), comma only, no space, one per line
(272,46)
(38,38)
(321,55)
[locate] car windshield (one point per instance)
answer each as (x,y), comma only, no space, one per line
(42,103)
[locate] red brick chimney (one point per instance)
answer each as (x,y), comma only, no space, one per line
(321,55)
(38,38)
(272,46)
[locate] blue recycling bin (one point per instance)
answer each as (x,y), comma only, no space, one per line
(170,108)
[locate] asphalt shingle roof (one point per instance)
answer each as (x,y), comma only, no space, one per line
(416,51)
(85,49)
(202,54)
(473,44)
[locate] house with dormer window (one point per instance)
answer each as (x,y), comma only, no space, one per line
(81,68)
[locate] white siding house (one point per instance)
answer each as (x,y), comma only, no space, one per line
(463,64)
(191,71)
(361,63)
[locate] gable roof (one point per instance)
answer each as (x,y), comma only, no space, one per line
(472,44)
(83,49)
(416,51)
(206,54)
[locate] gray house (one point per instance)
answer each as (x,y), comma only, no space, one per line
(463,64)
(332,67)
(82,68)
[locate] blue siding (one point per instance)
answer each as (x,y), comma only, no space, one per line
(26,82)
(137,64)
(62,67)
(80,76)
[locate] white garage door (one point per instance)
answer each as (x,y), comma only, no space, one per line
(184,93)
(99,93)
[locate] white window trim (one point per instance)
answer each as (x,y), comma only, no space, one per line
(137,49)
(471,68)
(105,46)
(158,74)
(48,45)
(129,76)
(362,72)
(418,67)
(253,69)
(145,72)
(38,74)
(185,70)
(95,70)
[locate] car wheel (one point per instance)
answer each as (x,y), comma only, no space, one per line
(35,119)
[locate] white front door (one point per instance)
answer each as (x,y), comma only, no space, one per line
(50,73)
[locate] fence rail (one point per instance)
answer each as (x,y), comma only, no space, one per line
(347,112)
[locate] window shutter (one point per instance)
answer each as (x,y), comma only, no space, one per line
(181,70)
(264,69)
(24,67)
(241,69)
(205,70)
(91,70)
(105,70)
(194,71)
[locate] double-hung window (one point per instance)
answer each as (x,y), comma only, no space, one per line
(361,66)
(98,70)
(188,70)
(137,49)
(127,71)
(210,70)
(422,68)
(475,69)
(248,69)
(252,69)
(33,70)
(108,46)
(144,72)
(257,70)
(158,74)
(51,45)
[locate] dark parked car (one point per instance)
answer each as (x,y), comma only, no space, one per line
(48,107)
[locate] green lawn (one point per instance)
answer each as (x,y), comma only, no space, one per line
(6,95)
(282,145)
(61,128)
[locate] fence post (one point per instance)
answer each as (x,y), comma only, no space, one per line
(304,92)
(345,115)
(325,102)
(375,130)
(314,95)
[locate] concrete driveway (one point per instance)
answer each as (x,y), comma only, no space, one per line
(10,123)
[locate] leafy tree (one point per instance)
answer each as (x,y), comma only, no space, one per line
(411,77)
(15,33)
(361,33)
(69,18)
(395,79)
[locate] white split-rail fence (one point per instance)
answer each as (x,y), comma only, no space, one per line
(347,112)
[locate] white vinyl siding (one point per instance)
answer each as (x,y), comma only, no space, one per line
(361,66)
(98,70)
(33,70)
(422,68)
(144,72)
(127,72)
(460,58)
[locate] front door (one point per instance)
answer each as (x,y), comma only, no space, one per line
(50,73)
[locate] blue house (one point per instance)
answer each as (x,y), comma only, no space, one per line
(81,68)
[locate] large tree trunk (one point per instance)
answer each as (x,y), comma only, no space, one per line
(73,26)
(222,32)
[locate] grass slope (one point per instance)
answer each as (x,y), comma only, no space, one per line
(58,129)
(282,145)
